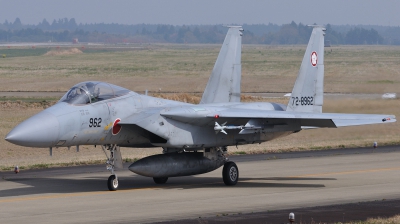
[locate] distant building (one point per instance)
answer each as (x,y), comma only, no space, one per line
(75,41)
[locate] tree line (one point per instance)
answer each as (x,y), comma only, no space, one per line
(64,30)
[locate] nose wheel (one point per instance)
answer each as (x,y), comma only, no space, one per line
(112,183)
(113,161)
(230,173)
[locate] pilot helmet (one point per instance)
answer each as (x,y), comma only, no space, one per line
(84,89)
(90,87)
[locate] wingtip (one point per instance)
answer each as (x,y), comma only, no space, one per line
(390,118)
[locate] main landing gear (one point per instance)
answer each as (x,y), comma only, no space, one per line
(113,161)
(230,173)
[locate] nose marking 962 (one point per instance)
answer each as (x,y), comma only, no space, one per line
(95,122)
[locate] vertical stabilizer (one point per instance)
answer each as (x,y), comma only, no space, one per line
(224,83)
(308,91)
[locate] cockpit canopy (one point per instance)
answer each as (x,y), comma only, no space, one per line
(91,92)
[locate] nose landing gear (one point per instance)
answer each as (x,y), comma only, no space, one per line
(113,161)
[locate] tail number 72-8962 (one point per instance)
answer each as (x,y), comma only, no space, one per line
(302,101)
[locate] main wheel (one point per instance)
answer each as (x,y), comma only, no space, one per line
(230,174)
(112,183)
(160,180)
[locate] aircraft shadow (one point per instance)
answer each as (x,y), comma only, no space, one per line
(193,182)
(46,185)
(217,182)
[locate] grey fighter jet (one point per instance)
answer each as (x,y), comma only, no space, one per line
(194,138)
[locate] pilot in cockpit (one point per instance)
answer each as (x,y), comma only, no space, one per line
(91,90)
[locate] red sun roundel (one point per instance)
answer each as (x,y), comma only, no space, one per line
(314,59)
(116,127)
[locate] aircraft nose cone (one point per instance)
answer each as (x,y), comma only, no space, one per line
(41,130)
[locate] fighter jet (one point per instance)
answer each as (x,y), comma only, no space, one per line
(194,138)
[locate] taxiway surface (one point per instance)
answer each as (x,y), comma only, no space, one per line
(267,182)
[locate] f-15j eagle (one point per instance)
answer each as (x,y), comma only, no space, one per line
(194,138)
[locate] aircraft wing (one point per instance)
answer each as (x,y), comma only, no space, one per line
(311,119)
(306,119)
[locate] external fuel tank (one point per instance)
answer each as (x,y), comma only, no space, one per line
(175,165)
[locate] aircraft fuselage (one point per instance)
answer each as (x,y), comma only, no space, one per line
(64,125)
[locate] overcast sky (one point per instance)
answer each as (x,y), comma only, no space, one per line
(179,12)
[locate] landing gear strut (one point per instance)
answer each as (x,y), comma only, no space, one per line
(113,161)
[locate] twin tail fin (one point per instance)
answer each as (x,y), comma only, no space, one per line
(308,91)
